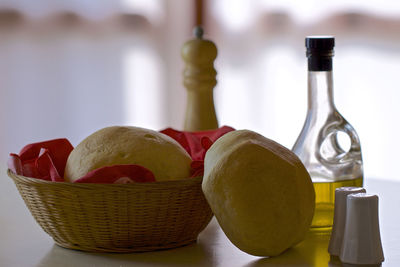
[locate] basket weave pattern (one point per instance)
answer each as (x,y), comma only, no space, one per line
(117,217)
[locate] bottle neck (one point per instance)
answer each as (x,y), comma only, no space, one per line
(320,92)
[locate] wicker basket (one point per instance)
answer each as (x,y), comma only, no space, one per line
(117,217)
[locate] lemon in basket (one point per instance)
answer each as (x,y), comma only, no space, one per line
(259,191)
(129,145)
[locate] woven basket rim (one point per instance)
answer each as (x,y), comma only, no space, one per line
(36,181)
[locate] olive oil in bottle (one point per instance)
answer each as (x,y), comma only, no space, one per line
(325,200)
(330,164)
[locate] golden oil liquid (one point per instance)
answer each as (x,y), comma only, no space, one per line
(325,202)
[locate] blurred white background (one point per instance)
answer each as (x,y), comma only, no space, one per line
(68,68)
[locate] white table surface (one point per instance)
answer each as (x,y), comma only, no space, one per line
(23,243)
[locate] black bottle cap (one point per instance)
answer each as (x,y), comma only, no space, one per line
(320,52)
(320,42)
(320,45)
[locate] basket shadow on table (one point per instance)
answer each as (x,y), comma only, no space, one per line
(194,254)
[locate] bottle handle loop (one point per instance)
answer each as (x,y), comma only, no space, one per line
(331,152)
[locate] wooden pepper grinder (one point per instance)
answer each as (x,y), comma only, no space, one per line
(199,80)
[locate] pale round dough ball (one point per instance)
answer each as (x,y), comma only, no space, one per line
(259,191)
(129,145)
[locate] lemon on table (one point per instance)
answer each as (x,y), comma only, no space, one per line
(259,191)
(129,145)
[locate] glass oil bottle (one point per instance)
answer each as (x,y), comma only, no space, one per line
(330,165)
